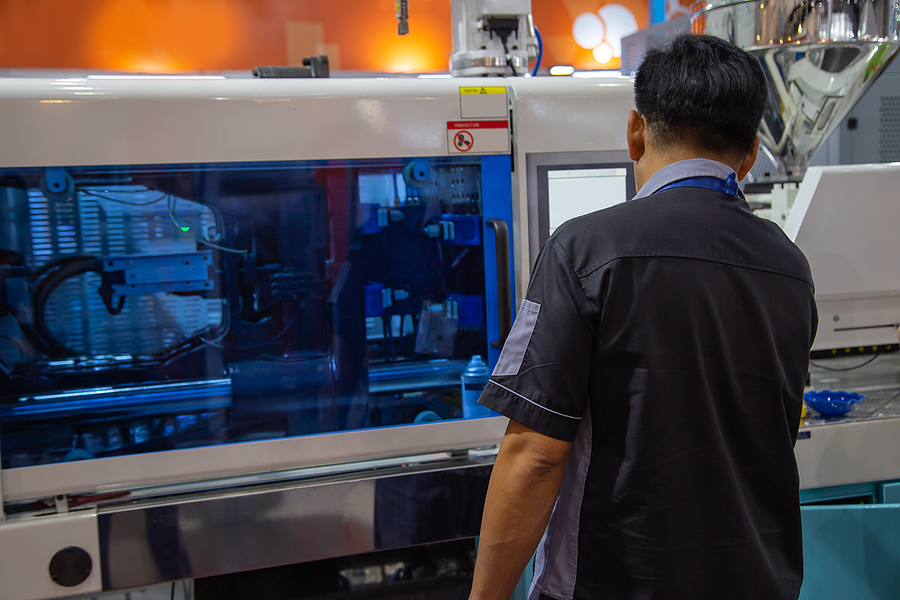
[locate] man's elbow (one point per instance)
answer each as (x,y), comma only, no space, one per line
(540,454)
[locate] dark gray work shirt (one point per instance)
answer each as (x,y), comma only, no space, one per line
(668,338)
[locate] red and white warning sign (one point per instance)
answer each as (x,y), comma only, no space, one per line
(477,137)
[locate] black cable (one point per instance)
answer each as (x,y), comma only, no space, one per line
(820,366)
(42,292)
(509,60)
(117,309)
(54,264)
(45,280)
(106,294)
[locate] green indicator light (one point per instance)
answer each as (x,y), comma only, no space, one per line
(185,228)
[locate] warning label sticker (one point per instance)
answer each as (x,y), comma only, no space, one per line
(463,141)
(484,90)
(485,102)
(477,137)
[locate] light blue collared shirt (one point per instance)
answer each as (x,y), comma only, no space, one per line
(683,169)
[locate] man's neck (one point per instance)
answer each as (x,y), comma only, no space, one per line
(692,168)
(654,160)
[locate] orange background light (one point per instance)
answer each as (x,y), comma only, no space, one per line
(170,36)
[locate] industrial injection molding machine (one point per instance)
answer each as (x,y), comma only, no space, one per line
(237,315)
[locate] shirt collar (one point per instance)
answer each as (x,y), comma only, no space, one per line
(692,167)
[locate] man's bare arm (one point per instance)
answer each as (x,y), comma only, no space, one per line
(524,486)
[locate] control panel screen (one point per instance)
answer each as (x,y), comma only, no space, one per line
(576,192)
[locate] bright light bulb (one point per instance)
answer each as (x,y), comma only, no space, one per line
(588,30)
(603,53)
(562,70)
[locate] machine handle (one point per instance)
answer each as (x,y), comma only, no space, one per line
(504,299)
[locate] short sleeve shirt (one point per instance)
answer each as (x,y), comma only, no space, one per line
(668,339)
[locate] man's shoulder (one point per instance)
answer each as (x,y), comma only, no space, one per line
(682,222)
(638,227)
(598,236)
(618,221)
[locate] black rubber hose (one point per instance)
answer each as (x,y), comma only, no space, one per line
(44,289)
(36,275)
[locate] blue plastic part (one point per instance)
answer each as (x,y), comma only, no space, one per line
(77,454)
(421,170)
(473,380)
(56,179)
(467,230)
(831,403)
(412,173)
(427,416)
(471,309)
(657,12)
(56,184)
(369,215)
(540,56)
(373,299)
(496,189)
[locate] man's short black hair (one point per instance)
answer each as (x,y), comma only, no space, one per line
(702,93)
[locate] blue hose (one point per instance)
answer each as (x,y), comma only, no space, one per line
(537,65)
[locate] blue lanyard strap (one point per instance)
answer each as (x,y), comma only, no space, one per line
(726,186)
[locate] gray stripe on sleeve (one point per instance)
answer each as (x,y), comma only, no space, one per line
(556,559)
(517,343)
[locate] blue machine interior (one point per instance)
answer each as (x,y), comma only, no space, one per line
(149,308)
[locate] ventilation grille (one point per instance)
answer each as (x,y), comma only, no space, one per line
(889,127)
(122,222)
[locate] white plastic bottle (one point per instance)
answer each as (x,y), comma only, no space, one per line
(474,378)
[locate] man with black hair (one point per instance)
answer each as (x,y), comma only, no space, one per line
(654,375)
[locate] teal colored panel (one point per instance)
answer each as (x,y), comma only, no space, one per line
(851,552)
(838,492)
(890,493)
(521,591)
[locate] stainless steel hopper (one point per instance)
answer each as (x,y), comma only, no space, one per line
(819,56)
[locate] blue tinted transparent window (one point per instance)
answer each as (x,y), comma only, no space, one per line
(153,308)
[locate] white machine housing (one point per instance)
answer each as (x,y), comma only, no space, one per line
(845,218)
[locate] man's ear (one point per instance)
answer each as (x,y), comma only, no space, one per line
(749,160)
(635,133)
